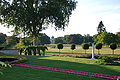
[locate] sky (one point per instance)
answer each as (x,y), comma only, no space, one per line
(86,17)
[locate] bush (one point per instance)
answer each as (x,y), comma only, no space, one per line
(98,46)
(85,46)
(113,46)
(73,46)
(33,50)
(104,60)
(60,46)
(3,65)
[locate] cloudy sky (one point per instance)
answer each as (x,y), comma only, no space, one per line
(87,16)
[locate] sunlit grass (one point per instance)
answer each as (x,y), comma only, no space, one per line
(79,50)
(78,64)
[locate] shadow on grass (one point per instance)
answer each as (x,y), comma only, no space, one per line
(58,62)
(87,67)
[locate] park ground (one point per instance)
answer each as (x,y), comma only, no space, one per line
(71,63)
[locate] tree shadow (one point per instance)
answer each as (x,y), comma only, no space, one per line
(93,68)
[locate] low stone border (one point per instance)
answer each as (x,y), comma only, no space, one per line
(69,71)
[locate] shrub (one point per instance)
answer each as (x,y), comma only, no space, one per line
(19,45)
(60,46)
(85,46)
(73,46)
(44,48)
(113,46)
(3,65)
(104,60)
(98,46)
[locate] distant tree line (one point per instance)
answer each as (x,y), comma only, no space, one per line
(73,39)
(106,38)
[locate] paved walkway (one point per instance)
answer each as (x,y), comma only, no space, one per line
(69,71)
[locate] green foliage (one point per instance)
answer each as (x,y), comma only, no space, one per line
(33,50)
(73,46)
(118,34)
(19,45)
(60,46)
(74,39)
(32,16)
(57,40)
(87,39)
(11,41)
(85,46)
(113,46)
(104,60)
(105,38)
(3,66)
(2,38)
(44,39)
(101,27)
(98,46)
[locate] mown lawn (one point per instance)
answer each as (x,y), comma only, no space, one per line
(79,50)
(79,64)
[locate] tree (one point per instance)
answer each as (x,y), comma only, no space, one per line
(19,45)
(105,38)
(113,46)
(32,16)
(101,27)
(87,38)
(60,46)
(11,41)
(57,40)
(73,39)
(85,46)
(118,34)
(98,46)
(73,46)
(2,38)
(44,39)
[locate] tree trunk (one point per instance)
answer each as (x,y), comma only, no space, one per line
(59,51)
(98,52)
(113,51)
(35,41)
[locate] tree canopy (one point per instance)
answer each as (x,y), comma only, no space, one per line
(101,27)
(32,16)
(106,38)
(2,38)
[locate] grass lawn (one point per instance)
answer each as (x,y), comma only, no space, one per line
(79,50)
(79,64)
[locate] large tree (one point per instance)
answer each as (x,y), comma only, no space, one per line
(44,39)
(106,38)
(73,39)
(87,38)
(101,27)
(118,34)
(32,16)
(2,38)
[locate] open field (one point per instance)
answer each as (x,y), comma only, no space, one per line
(79,64)
(79,50)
